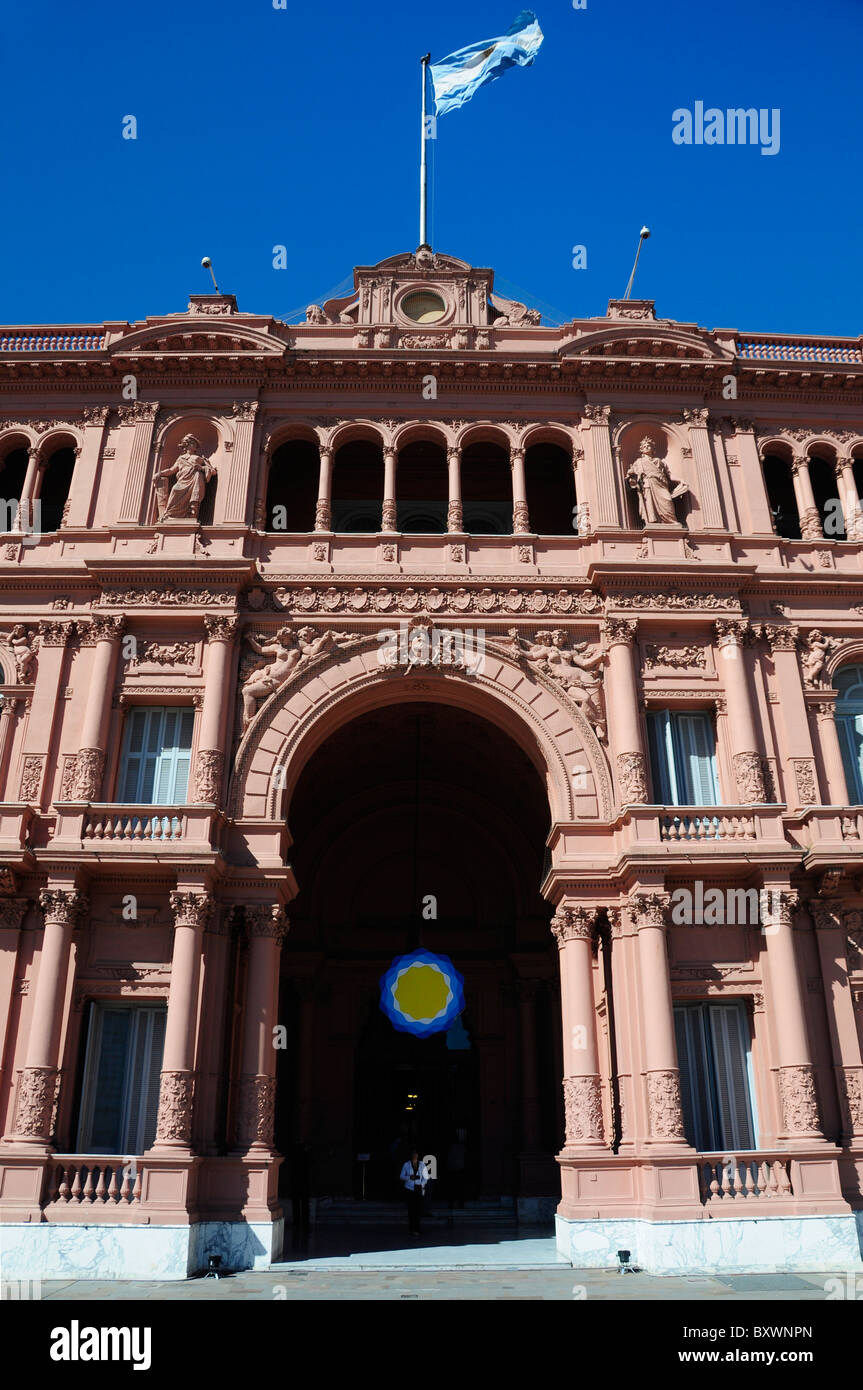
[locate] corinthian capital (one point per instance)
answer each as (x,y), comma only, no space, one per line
(648,909)
(191,909)
(266,919)
(731,632)
(108,627)
(619,630)
(220,629)
(62,906)
(573,924)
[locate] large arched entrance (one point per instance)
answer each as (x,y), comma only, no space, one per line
(420,823)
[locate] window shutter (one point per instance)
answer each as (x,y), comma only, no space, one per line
(850,730)
(694,1076)
(109,1078)
(150,1108)
(727,1024)
(133,754)
(696,759)
(172,775)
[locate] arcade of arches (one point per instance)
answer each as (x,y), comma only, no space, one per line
(421,824)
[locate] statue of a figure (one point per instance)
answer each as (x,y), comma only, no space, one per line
(649,476)
(817,648)
(24,653)
(191,472)
(286,653)
(315,314)
(571,667)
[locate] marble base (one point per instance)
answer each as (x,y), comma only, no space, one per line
(61,1251)
(744,1246)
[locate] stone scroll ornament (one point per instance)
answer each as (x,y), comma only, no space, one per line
(654,488)
(288,650)
(572,668)
(191,471)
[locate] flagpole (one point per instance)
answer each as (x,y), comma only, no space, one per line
(423,167)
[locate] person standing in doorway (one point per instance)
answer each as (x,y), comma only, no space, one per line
(413,1179)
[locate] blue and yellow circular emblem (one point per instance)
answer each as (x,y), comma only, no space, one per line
(422,993)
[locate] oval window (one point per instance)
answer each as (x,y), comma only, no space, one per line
(423,307)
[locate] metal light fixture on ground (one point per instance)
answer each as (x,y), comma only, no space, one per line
(422,993)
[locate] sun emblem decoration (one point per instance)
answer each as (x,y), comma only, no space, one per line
(422,993)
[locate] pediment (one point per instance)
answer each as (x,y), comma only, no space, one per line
(199,335)
(644,339)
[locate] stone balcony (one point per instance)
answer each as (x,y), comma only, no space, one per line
(115,831)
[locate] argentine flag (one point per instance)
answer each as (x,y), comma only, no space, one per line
(456,78)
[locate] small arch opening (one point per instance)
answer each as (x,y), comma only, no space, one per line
(781,497)
(54,492)
(486,489)
(358,487)
(292,486)
(422,488)
(551,499)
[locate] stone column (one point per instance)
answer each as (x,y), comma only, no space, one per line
(324,504)
(799,752)
(647,912)
(389,513)
(212,735)
(454,511)
(232,497)
(705,469)
(795,1072)
(751,497)
(831,752)
(527,994)
(831,933)
(211,1077)
(266,928)
(850,497)
(810,517)
(191,910)
(605,506)
(25,520)
(143,416)
(37,1086)
(12,912)
(573,929)
(107,632)
(83,487)
(731,636)
(520,518)
(8,707)
(625,731)
(46,709)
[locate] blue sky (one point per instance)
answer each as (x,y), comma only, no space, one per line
(259,127)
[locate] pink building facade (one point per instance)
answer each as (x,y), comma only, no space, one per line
(423,622)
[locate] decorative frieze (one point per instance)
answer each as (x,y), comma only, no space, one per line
(674,658)
(361,597)
(31,777)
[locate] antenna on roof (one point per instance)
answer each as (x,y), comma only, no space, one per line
(642,237)
(208,264)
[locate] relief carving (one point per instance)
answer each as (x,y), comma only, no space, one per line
(176,1094)
(256,1111)
(582,1099)
(24,648)
(37,1089)
(289,650)
(209,767)
(90,764)
(571,668)
(749,778)
(631,774)
(799,1100)
(664,1105)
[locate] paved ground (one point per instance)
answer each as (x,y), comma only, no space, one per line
(471,1264)
(556,1285)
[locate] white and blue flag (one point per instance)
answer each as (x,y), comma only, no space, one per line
(456,78)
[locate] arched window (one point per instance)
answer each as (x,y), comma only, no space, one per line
(422,488)
(358,487)
(486,489)
(849,725)
(13,470)
(826,490)
(550,490)
(54,492)
(292,488)
(780,493)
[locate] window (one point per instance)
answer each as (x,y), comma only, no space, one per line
(849,726)
(122,1064)
(157,751)
(683,758)
(714,1057)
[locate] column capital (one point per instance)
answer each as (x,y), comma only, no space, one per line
(220,628)
(108,627)
(827,914)
(648,909)
(54,634)
(597,414)
(453,453)
(266,919)
(700,415)
(781,637)
(731,632)
(573,924)
(190,909)
(619,631)
(62,906)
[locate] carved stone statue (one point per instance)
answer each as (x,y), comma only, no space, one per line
(571,667)
(817,648)
(286,653)
(649,476)
(191,472)
(24,652)
(315,314)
